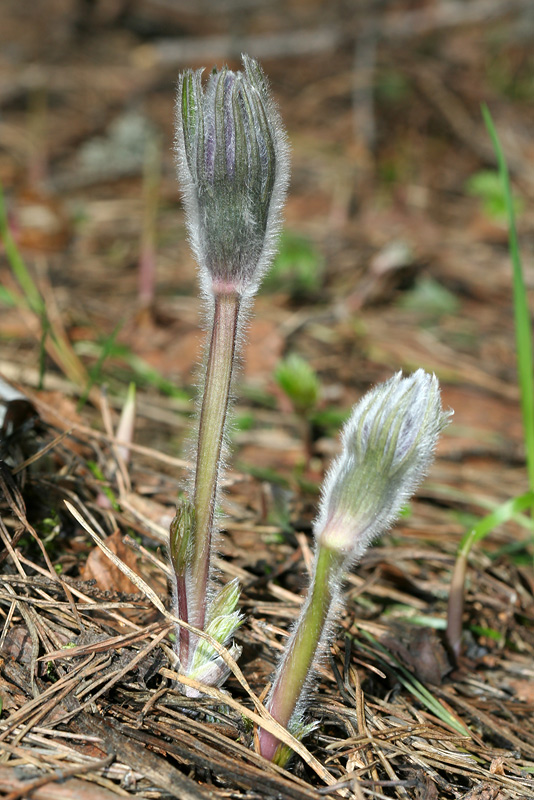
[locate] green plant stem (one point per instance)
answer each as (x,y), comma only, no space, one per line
(210,441)
(301,648)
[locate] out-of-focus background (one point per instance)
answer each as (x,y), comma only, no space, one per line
(395,240)
(394,255)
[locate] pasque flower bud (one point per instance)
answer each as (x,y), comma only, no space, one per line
(233,168)
(387,447)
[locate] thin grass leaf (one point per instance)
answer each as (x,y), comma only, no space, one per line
(7,298)
(53,340)
(18,267)
(503,513)
(107,490)
(415,687)
(95,374)
(521,311)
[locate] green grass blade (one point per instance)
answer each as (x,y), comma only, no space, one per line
(7,298)
(521,310)
(415,687)
(503,513)
(95,373)
(16,262)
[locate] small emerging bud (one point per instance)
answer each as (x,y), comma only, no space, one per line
(223,620)
(181,536)
(388,446)
(233,167)
(225,601)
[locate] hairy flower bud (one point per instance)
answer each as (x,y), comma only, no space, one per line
(388,446)
(233,168)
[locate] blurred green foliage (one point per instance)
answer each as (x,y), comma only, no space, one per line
(392,86)
(243,421)
(297,269)
(300,383)
(430,298)
(329,420)
(511,75)
(487,185)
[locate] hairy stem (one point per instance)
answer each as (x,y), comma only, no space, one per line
(301,648)
(210,441)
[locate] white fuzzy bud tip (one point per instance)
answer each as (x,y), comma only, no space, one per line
(388,446)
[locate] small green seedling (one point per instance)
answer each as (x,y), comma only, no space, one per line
(300,383)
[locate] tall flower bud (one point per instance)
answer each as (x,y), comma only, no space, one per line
(233,167)
(387,447)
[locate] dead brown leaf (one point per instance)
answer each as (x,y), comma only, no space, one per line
(107,576)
